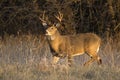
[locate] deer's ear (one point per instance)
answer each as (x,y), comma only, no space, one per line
(44,24)
(57,25)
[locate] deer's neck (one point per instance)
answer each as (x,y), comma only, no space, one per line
(55,40)
(54,37)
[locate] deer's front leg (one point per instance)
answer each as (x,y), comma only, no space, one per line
(55,59)
(70,60)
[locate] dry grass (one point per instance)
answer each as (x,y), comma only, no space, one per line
(26,58)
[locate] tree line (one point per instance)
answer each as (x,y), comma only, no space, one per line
(22,16)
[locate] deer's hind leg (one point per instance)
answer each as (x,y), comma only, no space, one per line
(94,57)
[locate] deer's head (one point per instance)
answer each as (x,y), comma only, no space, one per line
(51,30)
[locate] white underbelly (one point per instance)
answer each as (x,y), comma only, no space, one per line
(78,54)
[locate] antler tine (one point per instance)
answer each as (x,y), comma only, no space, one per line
(43,17)
(59,16)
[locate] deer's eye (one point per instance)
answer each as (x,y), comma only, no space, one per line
(52,28)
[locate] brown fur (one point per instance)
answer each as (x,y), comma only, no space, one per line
(73,45)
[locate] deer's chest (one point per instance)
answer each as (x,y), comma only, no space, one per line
(54,46)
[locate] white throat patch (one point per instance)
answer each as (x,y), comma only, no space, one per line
(52,37)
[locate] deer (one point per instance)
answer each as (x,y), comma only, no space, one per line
(72,45)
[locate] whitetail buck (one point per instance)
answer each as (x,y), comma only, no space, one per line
(72,45)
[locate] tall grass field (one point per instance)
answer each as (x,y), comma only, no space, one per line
(27,57)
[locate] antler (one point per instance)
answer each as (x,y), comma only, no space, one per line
(43,19)
(59,16)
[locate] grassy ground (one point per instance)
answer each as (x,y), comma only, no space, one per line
(27,58)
